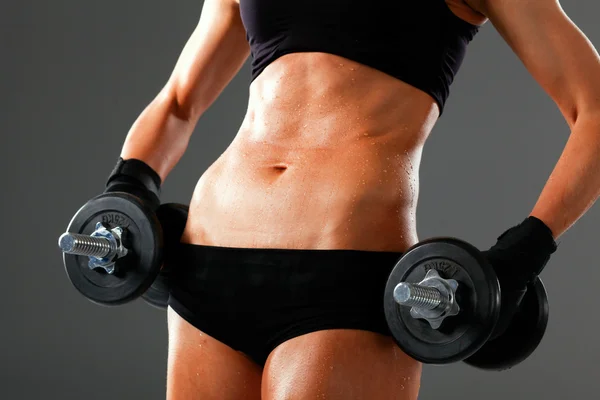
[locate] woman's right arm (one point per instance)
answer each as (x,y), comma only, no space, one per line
(213,55)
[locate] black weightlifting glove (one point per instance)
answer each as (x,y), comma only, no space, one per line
(136,178)
(518,257)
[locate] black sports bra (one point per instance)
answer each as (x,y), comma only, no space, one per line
(420,42)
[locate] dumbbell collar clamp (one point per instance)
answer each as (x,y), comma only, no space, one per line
(446,291)
(117,250)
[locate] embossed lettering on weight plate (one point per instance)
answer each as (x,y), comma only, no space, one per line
(114,220)
(446,268)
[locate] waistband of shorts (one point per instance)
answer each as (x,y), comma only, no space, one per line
(209,274)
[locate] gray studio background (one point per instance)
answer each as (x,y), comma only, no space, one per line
(74,75)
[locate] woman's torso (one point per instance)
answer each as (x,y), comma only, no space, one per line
(327,157)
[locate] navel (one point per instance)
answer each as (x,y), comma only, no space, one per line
(280,168)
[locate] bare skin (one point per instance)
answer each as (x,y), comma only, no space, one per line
(331,163)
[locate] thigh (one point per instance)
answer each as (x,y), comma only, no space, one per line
(340,364)
(201,367)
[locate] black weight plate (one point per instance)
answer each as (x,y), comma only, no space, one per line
(173,218)
(521,338)
(143,237)
(157,295)
(478,296)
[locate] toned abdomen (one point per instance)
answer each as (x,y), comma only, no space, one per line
(324,164)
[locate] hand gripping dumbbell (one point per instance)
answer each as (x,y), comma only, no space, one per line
(442,303)
(114,248)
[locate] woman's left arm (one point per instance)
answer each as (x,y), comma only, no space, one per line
(567,66)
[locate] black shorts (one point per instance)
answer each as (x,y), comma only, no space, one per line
(255,299)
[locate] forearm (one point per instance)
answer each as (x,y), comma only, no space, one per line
(160,135)
(574,184)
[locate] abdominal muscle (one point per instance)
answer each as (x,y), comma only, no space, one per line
(327,157)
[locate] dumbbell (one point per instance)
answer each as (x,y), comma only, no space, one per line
(173,218)
(113,249)
(442,303)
